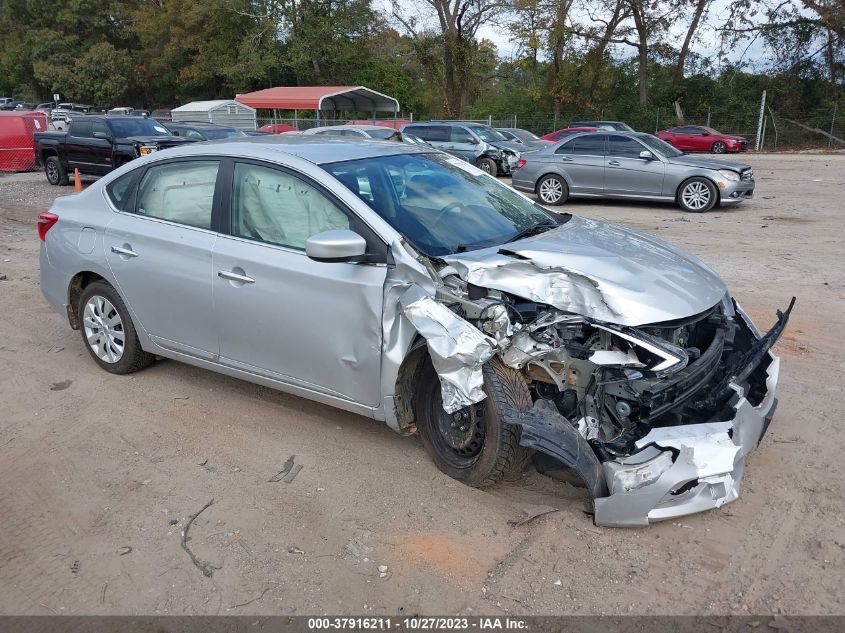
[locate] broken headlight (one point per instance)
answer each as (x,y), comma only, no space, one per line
(653,353)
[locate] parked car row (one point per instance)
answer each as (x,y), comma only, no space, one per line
(593,159)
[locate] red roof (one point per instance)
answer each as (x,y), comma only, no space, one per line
(356,98)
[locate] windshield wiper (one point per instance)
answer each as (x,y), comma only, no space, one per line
(534,229)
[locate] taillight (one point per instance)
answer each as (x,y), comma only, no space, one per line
(45,223)
(521,163)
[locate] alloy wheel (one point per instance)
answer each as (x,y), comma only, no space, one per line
(719,147)
(52,172)
(551,190)
(696,195)
(103,329)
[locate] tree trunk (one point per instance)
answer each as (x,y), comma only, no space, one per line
(693,27)
(642,48)
(597,53)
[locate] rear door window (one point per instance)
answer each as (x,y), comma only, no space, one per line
(431,133)
(460,135)
(589,145)
(81,129)
(181,192)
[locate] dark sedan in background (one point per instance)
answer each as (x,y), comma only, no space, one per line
(631,165)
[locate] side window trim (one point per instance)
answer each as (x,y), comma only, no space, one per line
(376,246)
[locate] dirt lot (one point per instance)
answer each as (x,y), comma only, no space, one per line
(100,473)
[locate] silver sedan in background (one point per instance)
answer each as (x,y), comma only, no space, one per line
(408,286)
(631,165)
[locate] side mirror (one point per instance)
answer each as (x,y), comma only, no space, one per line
(105,136)
(470,140)
(705,133)
(338,245)
(646,155)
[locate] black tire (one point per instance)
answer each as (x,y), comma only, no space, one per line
(133,358)
(553,183)
(56,174)
(487,165)
(719,147)
(492,449)
(694,204)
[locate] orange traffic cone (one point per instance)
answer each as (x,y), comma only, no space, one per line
(77,183)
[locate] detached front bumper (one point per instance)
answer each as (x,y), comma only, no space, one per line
(709,461)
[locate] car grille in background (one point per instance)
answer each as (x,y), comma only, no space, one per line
(748,174)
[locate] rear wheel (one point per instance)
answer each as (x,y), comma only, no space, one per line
(108,332)
(719,147)
(487,165)
(56,174)
(474,445)
(697,195)
(552,190)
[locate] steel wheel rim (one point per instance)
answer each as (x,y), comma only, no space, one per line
(52,171)
(485,167)
(719,148)
(103,329)
(696,195)
(551,190)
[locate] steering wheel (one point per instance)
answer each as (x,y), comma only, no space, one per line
(444,211)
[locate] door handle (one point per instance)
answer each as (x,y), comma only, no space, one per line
(228,274)
(566,159)
(125,252)
(613,163)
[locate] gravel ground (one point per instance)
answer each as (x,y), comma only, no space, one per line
(101,473)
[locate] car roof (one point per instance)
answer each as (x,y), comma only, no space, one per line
(319,150)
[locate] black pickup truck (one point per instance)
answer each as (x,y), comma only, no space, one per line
(97,144)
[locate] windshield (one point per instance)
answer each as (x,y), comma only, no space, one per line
(659,146)
(441,204)
(213,135)
(487,134)
(124,128)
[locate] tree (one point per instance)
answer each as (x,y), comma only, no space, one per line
(456,25)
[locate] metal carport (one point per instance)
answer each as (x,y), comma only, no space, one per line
(317,98)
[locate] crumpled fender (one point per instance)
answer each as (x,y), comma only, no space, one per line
(544,429)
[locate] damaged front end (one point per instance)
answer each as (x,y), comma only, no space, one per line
(655,419)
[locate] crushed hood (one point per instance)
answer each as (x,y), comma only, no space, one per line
(597,270)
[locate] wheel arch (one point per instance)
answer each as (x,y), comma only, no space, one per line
(406,384)
(78,283)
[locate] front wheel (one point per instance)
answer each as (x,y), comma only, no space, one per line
(697,195)
(552,190)
(474,445)
(56,174)
(108,332)
(487,165)
(719,147)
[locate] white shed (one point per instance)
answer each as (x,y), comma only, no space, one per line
(222,112)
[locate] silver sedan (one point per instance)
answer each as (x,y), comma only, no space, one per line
(631,165)
(408,286)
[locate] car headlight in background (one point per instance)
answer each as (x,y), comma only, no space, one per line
(146,149)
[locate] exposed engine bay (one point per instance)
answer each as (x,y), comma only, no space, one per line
(615,386)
